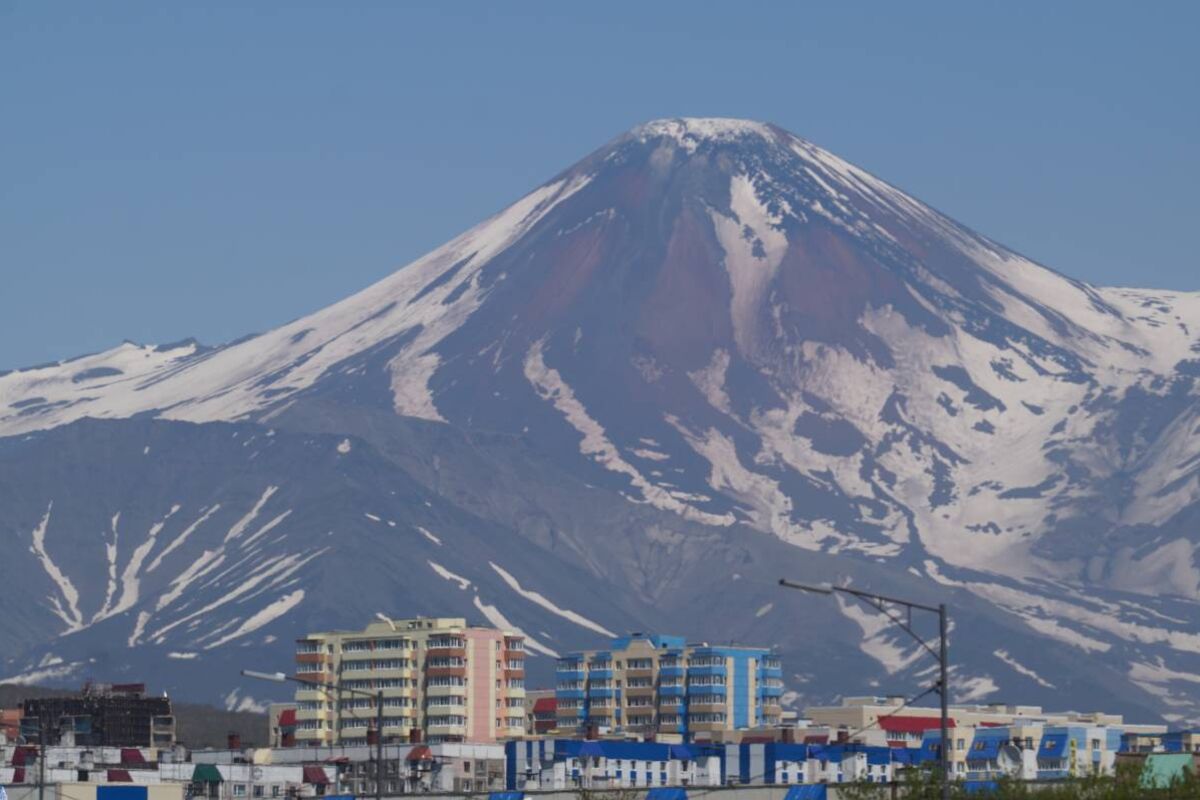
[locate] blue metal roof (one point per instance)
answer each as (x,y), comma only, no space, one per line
(667,793)
(1054,745)
(985,748)
(807,791)
(680,751)
(788,751)
(929,747)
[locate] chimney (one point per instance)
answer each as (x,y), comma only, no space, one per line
(234,740)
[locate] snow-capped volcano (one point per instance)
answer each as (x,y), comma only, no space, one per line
(728,340)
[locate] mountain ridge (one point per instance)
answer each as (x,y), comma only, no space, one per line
(705,332)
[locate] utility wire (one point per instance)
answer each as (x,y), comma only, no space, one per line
(864,729)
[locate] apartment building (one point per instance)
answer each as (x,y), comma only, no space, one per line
(653,685)
(442,681)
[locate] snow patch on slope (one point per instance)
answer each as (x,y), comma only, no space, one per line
(494,616)
(66,609)
(550,386)
(263,616)
(541,600)
(1021,669)
(462,582)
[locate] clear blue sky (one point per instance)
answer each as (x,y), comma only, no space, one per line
(214,169)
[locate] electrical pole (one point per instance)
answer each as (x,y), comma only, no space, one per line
(42,755)
(881,604)
(377,695)
(379,744)
(944,691)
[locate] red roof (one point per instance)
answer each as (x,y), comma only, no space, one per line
(119,776)
(315,776)
(545,705)
(897,724)
(420,753)
(287,717)
(131,755)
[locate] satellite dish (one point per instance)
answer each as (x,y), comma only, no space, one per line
(256,773)
(1008,759)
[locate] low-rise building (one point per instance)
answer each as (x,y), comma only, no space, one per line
(597,764)
(541,713)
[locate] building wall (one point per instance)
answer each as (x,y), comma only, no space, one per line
(481,688)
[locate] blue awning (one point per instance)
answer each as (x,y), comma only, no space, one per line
(667,793)
(506,796)
(807,791)
(1054,745)
(984,748)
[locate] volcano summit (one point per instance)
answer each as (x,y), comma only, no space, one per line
(708,355)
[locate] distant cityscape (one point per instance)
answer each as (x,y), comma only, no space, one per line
(445,704)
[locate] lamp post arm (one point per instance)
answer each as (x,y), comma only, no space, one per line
(904,626)
(884,598)
(336,686)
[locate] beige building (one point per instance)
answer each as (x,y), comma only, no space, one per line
(860,713)
(442,681)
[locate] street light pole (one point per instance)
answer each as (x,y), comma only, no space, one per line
(379,744)
(880,602)
(943,686)
(377,695)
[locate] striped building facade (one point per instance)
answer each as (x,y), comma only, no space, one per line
(449,681)
(652,684)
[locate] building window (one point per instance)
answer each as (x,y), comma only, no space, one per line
(256,791)
(239,790)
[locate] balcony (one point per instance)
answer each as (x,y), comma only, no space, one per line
(706,688)
(707,669)
(706,707)
(312,658)
(317,713)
